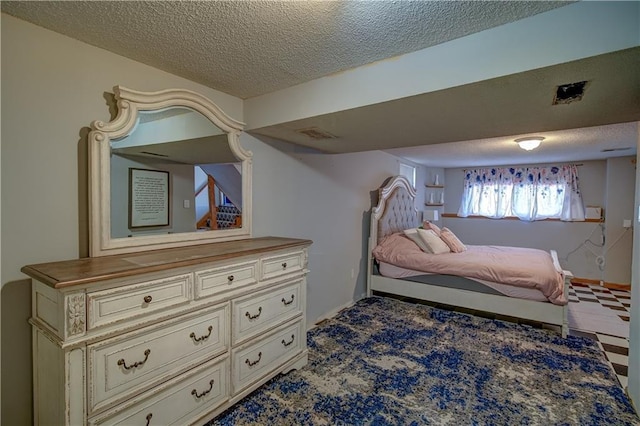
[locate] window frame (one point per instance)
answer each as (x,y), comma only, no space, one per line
(413,169)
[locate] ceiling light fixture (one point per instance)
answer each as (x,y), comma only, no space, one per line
(529,143)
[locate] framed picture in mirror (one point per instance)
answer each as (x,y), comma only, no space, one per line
(148,198)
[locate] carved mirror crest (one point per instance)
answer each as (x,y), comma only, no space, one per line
(167,171)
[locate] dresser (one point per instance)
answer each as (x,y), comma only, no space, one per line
(164,337)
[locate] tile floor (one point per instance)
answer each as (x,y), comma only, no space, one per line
(613,344)
(617,300)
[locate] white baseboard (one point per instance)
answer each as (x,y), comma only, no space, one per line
(335,311)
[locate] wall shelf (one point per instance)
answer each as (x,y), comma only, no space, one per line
(434,186)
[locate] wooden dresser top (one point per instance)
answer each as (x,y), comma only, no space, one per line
(88,270)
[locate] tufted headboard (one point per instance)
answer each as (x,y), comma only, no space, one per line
(396,209)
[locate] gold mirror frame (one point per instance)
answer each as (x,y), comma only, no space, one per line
(129,104)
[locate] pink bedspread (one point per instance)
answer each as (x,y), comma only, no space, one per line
(522,267)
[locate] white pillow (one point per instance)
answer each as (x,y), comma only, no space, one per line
(412,234)
(434,244)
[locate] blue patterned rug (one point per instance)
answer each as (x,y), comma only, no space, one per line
(386,362)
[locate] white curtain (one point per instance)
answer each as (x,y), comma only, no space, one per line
(529,193)
(572,206)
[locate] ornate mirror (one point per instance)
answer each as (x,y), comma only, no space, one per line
(167,171)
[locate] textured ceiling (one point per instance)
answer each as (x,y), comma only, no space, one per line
(249,48)
(587,143)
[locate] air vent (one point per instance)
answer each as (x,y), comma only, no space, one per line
(567,93)
(153,153)
(316,133)
(614,149)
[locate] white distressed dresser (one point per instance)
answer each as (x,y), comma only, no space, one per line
(172,336)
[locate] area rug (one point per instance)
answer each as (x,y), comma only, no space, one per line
(387,362)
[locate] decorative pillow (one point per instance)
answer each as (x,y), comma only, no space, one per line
(430,225)
(412,234)
(452,241)
(434,244)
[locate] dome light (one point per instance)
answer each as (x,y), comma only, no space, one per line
(529,143)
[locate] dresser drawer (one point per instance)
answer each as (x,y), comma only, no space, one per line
(255,361)
(135,300)
(217,280)
(124,366)
(257,313)
(275,266)
(181,402)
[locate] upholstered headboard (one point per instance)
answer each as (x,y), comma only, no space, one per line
(396,208)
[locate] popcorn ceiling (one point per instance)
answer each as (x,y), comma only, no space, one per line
(249,48)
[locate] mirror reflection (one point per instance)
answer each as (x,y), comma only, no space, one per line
(174,173)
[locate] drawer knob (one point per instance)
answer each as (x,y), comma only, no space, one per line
(230,278)
(206,336)
(147,299)
(252,317)
(284,265)
(200,395)
(252,363)
(149,418)
(289,342)
(123,363)
(288,302)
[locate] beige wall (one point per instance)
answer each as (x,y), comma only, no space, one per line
(325,198)
(621,176)
(52,88)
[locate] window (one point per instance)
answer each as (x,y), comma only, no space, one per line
(409,172)
(529,193)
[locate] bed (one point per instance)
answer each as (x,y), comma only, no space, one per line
(396,212)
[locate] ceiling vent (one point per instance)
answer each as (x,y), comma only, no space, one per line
(316,133)
(614,149)
(567,93)
(153,153)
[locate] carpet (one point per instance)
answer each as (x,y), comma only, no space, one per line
(387,362)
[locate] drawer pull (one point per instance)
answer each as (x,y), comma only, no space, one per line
(195,392)
(289,342)
(206,336)
(252,317)
(288,302)
(231,278)
(147,299)
(149,418)
(284,265)
(123,363)
(252,363)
